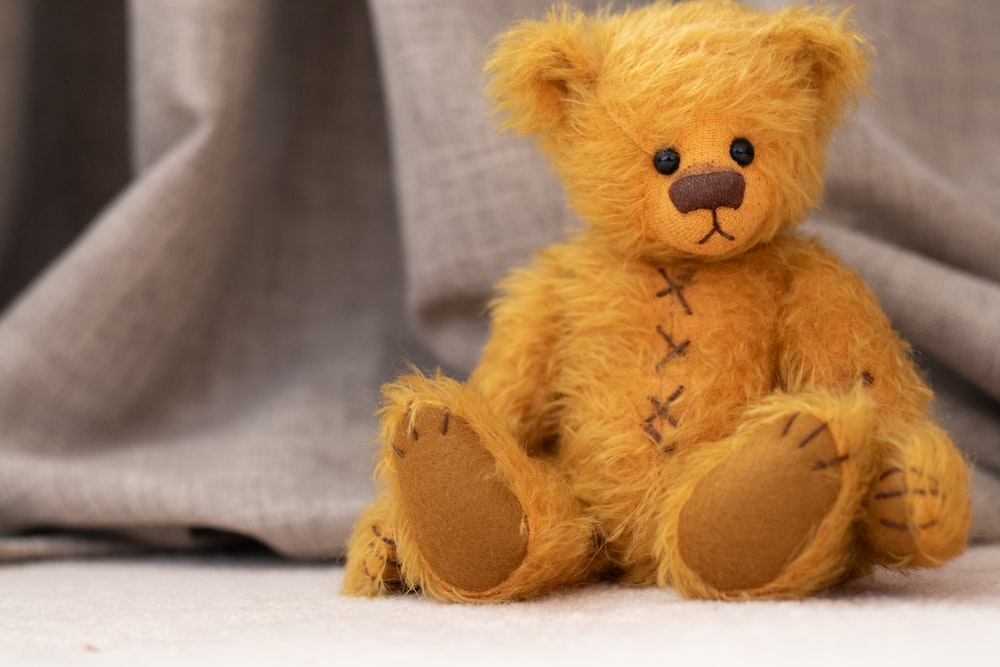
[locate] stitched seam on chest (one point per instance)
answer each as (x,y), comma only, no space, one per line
(661,417)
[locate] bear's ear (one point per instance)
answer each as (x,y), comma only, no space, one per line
(829,52)
(539,68)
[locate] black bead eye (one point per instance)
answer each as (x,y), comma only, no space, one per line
(666,161)
(741,151)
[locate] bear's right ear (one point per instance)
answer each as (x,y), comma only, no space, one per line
(539,68)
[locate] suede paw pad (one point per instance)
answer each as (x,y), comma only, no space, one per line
(468,526)
(756,512)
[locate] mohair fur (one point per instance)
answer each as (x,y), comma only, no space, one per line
(642,381)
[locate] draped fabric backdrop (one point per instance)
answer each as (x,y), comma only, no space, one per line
(223,223)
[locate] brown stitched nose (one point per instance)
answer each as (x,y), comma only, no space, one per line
(708,191)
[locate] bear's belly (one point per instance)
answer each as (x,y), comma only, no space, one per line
(713,352)
(679,353)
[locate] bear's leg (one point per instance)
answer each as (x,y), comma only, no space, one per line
(917,511)
(475,518)
(769,512)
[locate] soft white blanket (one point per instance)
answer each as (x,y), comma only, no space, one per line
(254,612)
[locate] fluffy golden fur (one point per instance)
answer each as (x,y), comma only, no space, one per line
(604,93)
(685,394)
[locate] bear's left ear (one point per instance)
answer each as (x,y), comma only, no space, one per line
(539,68)
(830,53)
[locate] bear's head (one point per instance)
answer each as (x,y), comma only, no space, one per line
(681,130)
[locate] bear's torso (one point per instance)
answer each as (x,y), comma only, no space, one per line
(656,357)
(652,360)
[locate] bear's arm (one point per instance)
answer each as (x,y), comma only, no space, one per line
(834,334)
(514,373)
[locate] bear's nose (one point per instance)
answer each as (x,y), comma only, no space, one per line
(708,191)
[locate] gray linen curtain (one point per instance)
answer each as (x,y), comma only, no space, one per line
(221,220)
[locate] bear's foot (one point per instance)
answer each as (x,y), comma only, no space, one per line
(917,511)
(474,517)
(773,518)
(373,566)
(469,528)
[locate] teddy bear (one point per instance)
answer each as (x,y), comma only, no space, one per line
(686,393)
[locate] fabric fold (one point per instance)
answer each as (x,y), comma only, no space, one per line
(205,356)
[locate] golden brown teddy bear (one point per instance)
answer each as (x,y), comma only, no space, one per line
(685,393)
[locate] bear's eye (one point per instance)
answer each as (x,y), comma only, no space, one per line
(741,151)
(666,161)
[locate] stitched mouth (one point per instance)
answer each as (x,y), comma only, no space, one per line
(716,229)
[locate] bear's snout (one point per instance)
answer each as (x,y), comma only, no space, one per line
(708,191)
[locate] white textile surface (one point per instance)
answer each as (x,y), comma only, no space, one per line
(173,611)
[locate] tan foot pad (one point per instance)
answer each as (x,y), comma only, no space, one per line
(467,524)
(753,514)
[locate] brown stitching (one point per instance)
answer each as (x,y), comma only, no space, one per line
(368,574)
(896,469)
(409,422)
(788,426)
(812,435)
(399,452)
(657,437)
(896,493)
(675,349)
(716,229)
(675,288)
(382,537)
(444,421)
(868,378)
(889,472)
(823,465)
(895,525)
(653,433)
(661,410)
